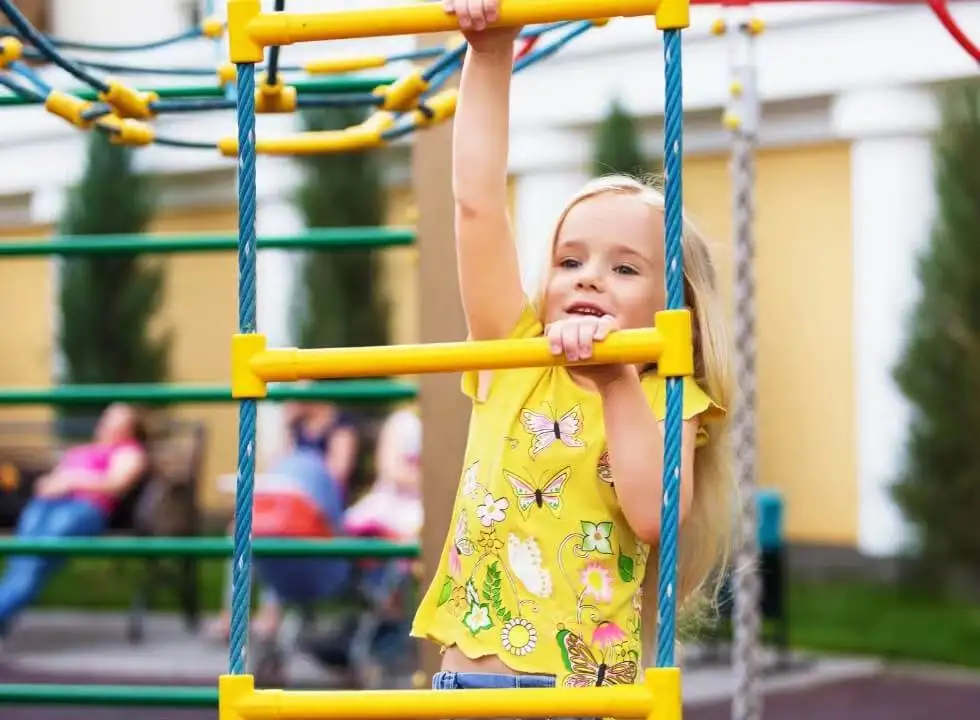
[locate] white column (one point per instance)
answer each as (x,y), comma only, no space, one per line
(541,195)
(276,271)
(892,207)
(47,205)
(118,21)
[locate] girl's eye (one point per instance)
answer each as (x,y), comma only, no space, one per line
(626,270)
(569,263)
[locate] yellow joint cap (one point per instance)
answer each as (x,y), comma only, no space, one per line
(755,26)
(232,689)
(673,14)
(719,27)
(330,66)
(600,22)
(677,357)
(127,102)
(665,687)
(241,47)
(735,88)
(378,122)
(403,94)
(68,107)
(212,27)
(440,106)
(245,383)
(11,49)
(275,98)
(731,120)
(227,72)
(127,131)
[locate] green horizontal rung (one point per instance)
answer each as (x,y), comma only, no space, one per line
(205,547)
(108,695)
(332,391)
(322,239)
(358,84)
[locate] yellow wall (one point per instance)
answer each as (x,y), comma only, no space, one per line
(201,310)
(27,299)
(807,443)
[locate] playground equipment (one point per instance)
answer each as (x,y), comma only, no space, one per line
(406,104)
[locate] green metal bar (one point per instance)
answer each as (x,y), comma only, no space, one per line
(320,86)
(205,547)
(333,391)
(323,239)
(109,695)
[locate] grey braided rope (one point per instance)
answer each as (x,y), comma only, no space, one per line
(747,700)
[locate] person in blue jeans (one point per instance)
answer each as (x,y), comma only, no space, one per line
(75,499)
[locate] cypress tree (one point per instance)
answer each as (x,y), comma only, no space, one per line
(939,371)
(107,302)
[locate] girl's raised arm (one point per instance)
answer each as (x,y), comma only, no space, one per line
(489,276)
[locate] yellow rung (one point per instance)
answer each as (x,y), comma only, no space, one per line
(288,364)
(655,699)
(250,30)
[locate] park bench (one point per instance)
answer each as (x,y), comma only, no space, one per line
(163,503)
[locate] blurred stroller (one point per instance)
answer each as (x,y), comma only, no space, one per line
(369,646)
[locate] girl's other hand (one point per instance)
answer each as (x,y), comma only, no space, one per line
(474,17)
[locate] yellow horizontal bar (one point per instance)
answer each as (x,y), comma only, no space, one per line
(622,701)
(265,29)
(320,142)
(289,364)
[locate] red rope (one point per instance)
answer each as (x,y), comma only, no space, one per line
(941,10)
(526,47)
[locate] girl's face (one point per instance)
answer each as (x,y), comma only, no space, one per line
(608,260)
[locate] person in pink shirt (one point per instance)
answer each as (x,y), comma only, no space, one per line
(75,499)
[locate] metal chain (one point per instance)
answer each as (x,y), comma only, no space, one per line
(742,119)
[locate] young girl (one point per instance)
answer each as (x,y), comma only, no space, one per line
(557,517)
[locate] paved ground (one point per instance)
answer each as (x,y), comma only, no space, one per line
(60,648)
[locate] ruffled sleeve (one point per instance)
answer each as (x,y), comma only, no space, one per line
(697,403)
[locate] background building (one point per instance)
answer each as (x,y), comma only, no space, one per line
(844,199)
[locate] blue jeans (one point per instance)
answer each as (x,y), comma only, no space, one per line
(43,518)
(489,681)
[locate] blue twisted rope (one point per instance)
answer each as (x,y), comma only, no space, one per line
(674,257)
(241,581)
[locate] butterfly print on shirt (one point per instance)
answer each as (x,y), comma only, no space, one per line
(546,429)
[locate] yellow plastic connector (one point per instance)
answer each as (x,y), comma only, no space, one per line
(673,14)
(227,73)
(731,121)
(232,689)
(241,47)
(664,685)
(755,26)
(126,131)
(212,27)
(600,22)
(719,27)
(677,355)
(440,106)
(735,88)
(68,107)
(11,49)
(127,102)
(334,65)
(244,382)
(276,98)
(403,95)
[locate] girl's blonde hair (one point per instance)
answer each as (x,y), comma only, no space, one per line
(707,534)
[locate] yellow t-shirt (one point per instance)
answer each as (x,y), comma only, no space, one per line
(541,568)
